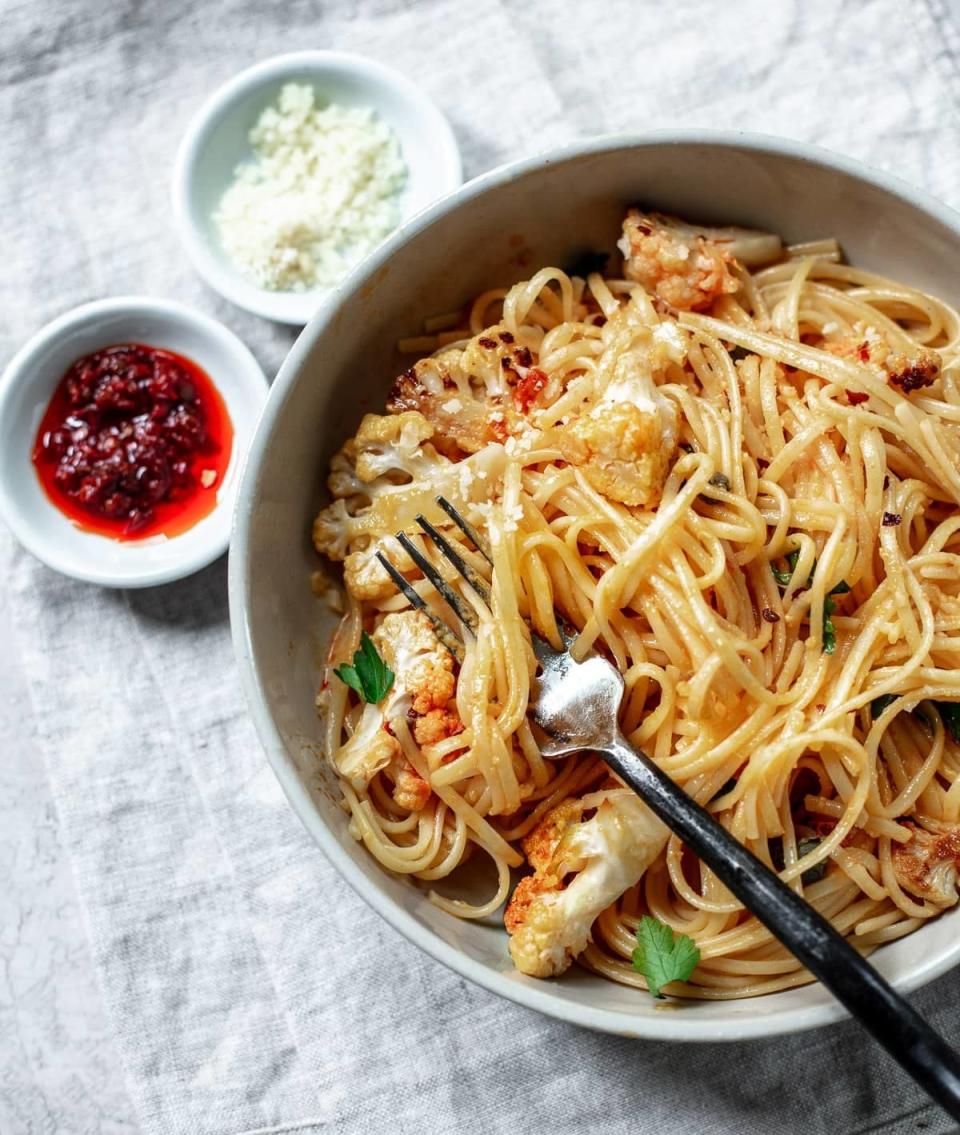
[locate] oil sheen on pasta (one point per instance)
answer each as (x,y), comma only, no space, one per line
(643,450)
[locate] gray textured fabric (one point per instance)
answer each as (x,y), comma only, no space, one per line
(246,986)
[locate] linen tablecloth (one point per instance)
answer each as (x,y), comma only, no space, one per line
(245,987)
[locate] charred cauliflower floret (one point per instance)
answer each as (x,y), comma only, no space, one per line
(437,388)
(581,867)
(365,576)
(914,371)
(436,725)
(368,751)
(388,444)
(382,473)
(342,480)
(626,443)
(908,372)
(331,531)
(687,266)
(423,683)
(927,865)
(422,667)
(410,790)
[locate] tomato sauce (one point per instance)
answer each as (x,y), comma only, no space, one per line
(134,443)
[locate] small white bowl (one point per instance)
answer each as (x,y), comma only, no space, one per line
(25,391)
(216,142)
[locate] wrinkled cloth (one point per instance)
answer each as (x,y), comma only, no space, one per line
(246,987)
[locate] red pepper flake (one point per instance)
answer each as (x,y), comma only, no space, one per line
(599,320)
(387,728)
(523,357)
(856,397)
(325,685)
(820,707)
(891,519)
(487,342)
(863,351)
(770,616)
(762,463)
(528,388)
(506,363)
(886,483)
(506,337)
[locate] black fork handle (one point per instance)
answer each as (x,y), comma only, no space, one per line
(891,1019)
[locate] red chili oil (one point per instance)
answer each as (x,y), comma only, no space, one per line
(134,443)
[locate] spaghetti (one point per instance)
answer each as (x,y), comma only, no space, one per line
(735,469)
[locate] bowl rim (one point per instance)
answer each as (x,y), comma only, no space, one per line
(532,995)
(293,308)
(18,370)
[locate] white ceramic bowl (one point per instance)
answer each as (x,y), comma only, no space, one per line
(216,142)
(342,365)
(25,391)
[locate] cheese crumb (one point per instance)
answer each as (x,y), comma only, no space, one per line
(322,192)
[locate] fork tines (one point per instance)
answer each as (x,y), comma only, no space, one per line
(447,636)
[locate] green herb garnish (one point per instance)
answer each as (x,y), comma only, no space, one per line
(878,705)
(829,630)
(817,872)
(829,604)
(663,956)
(369,675)
(784,577)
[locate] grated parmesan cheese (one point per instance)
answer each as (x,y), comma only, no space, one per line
(322,191)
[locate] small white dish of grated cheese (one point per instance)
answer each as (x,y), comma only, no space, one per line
(298,168)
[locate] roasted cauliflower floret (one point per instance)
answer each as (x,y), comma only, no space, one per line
(343,480)
(423,683)
(908,372)
(410,790)
(423,667)
(685,266)
(391,443)
(331,531)
(460,420)
(436,725)
(365,576)
(914,371)
(581,867)
(626,443)
(368,751)
(927,865)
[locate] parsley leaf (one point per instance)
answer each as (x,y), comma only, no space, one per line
(829,604)
(784,577)
(663,956)
(369,675)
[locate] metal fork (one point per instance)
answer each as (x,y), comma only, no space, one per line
(576,705)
